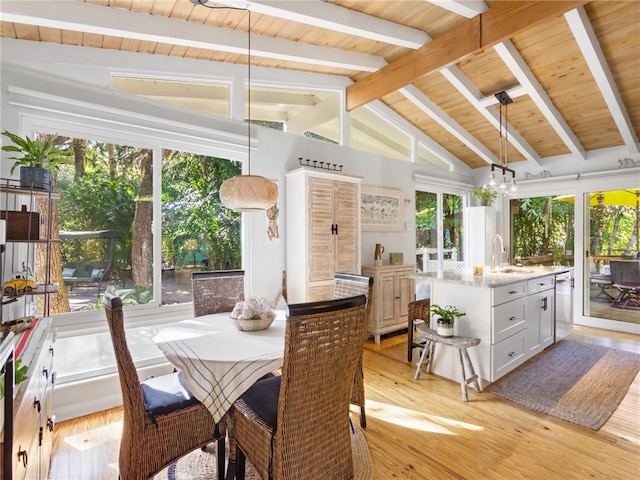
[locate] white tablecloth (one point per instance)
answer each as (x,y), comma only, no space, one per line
(218,361)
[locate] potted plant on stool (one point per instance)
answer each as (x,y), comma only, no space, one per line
(38,161)
(445,318)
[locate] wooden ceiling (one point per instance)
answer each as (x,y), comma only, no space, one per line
(573,70)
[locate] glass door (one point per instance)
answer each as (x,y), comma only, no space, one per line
(439,231)
(611,233)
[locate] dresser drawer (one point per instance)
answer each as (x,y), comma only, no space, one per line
(507,293)
(508,354)
(539,284)
(508,318)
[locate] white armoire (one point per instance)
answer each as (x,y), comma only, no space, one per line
(322,231)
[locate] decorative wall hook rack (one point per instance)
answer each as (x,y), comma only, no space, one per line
(332,167)
(627,162)
(542,174)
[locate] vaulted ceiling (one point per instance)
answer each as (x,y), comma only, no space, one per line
(572,68)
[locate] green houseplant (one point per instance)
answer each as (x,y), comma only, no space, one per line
(20,375)
(38,161)
(485,195)
(445,318)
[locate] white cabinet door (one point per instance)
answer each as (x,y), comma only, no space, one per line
(540,307)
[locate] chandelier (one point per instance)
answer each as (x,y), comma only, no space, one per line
(248,193)
(503,186)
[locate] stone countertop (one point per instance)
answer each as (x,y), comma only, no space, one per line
(489,279)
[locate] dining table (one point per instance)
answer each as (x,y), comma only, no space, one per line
(219,362)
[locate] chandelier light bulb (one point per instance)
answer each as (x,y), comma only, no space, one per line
(503,185)
(492,180)
(514,187)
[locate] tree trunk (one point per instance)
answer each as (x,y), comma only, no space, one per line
(79,147)
(58,302)
(141,242)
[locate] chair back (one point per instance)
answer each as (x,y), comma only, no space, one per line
(323,342)
(350,285)
(625,272)
(133,402)
(215,292)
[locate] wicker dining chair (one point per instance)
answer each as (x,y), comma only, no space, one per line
(216,292)
(296,425)
(162,420)
(348,285)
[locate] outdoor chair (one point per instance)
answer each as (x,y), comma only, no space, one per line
(297,425)
(602,281)
(625,276)
(348,285)
(162,420)
(216,292)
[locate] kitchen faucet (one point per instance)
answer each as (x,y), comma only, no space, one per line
(493,250)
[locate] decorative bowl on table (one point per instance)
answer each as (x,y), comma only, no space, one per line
(253,315)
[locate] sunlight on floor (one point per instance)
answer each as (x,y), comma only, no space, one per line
(416,420)
(96,437)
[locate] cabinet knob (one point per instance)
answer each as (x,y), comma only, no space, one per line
(45,372)
(511,292)
(36,404)
(515,317)
(513,354)
(51,421)
(23,457)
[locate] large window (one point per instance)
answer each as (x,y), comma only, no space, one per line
(106,216)
(105,213)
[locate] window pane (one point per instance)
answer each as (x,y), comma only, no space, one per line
(542,231)
(426,231)
(311,113)
(372,133)
(439,242)
(612,225)
(426,157)
(208,97)
(105,216)
(452,232)
(198,233)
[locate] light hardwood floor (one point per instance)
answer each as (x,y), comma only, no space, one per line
(423,430)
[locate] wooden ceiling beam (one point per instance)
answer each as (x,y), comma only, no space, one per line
(496,25)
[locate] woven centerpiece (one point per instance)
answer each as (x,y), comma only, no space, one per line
(253,314)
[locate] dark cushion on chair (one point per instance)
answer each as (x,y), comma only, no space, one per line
(166,394)
(262,398)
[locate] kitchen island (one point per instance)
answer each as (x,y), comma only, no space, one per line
(511,310)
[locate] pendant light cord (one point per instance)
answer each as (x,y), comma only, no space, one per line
(249,92)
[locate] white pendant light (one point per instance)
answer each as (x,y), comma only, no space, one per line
(248,193)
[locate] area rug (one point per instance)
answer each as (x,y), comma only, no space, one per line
(577,382)
(200,465)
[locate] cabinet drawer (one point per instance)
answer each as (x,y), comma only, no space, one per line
(508,319)
(539,284)
(508,354)
(507,293)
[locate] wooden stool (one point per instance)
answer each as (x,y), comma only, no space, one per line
(418,310)
(461,343)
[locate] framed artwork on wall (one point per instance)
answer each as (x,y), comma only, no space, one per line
(381,209)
